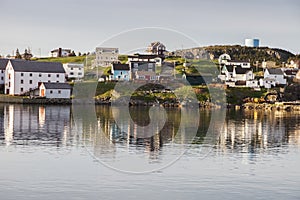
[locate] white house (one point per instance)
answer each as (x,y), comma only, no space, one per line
(276,74)
(3,64)
(60,52)
(232,73)
(146,58)
(106,56)
(55,90)
(243,64)
(22,76)
(74,70)
(224,58)
(267,82)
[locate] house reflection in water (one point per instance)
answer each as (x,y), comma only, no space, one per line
(32,124)
(255,131)
(105,136)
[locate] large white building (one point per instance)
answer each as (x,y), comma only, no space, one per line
(23,76)
(74,70)
(106,56)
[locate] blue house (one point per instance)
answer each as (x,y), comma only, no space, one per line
(120,72)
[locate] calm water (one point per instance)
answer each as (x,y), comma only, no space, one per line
(58,152)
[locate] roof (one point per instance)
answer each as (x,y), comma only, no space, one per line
(144,56)
(74,65)
(238,61)
(118,66)
(33,66)
(229,68)
(291,72)
(275,71)
(142,62)
(3,63)
(240,70)
(57,86)
(56,50)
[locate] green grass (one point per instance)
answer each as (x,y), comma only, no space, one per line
(73,59)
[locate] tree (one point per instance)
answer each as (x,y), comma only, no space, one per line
(18,55)
(27,55)
(72,54)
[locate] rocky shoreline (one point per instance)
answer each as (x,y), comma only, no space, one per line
(279,106)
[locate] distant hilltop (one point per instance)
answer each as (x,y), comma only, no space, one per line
(237,52)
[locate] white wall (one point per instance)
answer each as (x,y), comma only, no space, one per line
(55,93)
(106,56)
(278,78)
(9,79)
(74,70)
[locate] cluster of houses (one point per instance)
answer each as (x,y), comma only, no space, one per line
(138,66)
(43,79)
(240,74)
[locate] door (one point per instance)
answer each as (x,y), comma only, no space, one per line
(42,92)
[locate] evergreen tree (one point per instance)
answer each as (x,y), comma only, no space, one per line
(18,55)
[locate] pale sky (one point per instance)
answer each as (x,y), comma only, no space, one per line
(83,25)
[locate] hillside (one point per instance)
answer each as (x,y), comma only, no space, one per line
(237,52)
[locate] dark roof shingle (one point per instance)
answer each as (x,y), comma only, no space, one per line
(34,66)
(275,71)
(3,63)
(118,66)
(57,86)
(240,70)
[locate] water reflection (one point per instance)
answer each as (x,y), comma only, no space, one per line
(252,131)
(243,131)
(33,125)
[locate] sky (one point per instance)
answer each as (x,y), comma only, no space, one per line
(44,25)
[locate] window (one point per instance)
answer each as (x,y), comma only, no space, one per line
(8,84)
(2,78)
(59,92)
(57,75)
(22,89)
(49,81)
(79,73)
(30,81)
(40,75)
(49,75)
(71,73)
(71,68)
(57,81)
(22,74)
(30,74)
(22,81)
(51,91)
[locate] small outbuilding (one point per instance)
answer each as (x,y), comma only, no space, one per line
(55,90)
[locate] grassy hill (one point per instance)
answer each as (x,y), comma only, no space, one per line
(72,59)
(237,52)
